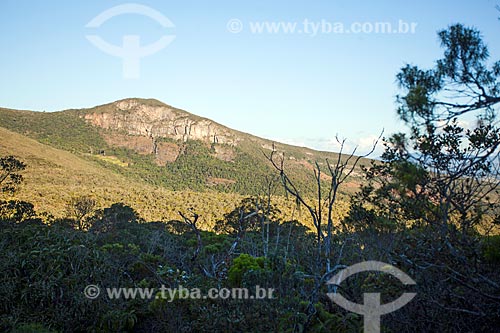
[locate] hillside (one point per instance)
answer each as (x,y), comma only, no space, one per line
(54,176)
(137,216)
(152,142)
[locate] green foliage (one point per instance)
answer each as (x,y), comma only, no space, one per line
(321,320)
(235,220)
(16,211)
(65,130)
(9,176)
(46,264)
(199,178)
(324,321)
(114,217)
(242,265)
(491,249)
(362,219)
(80,208)
(117,321)
(443,165)
(198,167)
(32,328)
(44,273)
(45,269)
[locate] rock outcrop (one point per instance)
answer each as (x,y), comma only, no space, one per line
(158,120)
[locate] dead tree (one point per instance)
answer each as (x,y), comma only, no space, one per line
(192,224)
(264,205)
(337,172)
(240,234)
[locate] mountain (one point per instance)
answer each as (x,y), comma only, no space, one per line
(146,144)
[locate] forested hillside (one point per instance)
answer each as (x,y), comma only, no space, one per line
(135,216)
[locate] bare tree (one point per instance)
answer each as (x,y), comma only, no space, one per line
(337,172)
(192,224)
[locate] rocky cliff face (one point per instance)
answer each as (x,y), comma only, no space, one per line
(156,120)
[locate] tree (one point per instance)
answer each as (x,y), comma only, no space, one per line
(191,222)
(442,173)
(111,219)
(17,211)
(10,179)
(321,207)
(80,208)
(233,223)
(448,161)
(236,224)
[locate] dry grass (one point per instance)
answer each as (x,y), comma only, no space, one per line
(111,159)
(54,176)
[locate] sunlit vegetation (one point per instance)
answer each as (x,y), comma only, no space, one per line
(75,211)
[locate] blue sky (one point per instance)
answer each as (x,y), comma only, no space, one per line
(291,87)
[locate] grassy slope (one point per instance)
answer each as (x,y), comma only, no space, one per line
(63,130)
(67,130)
(125,176)
(53,176)
(247,174)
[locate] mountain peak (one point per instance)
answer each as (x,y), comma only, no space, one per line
(131,103)
(154,119)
